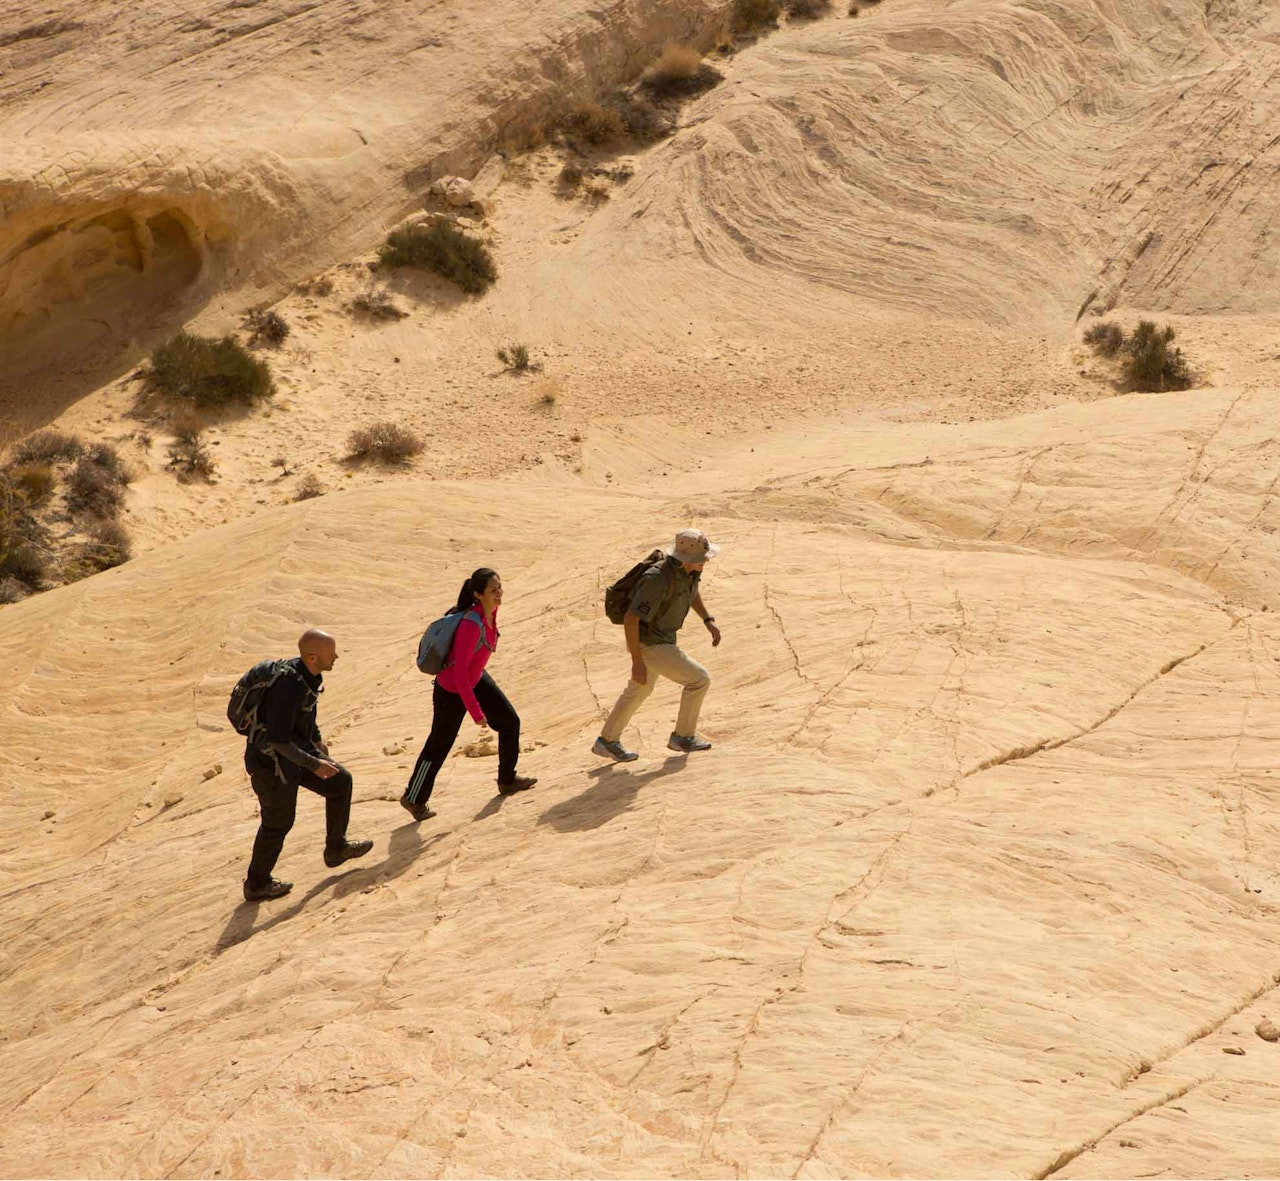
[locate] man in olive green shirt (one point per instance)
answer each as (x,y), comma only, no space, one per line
(659,605)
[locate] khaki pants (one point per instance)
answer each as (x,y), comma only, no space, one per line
(662,660)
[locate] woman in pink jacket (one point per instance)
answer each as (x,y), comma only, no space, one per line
(462,688)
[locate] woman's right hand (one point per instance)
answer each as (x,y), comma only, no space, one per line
(639,673)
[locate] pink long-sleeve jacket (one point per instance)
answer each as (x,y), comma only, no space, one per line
(467,658)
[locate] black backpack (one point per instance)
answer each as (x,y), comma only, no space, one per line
(617,598)
(246,697)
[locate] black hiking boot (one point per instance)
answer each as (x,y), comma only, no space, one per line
(347,851)
(516,783)
(417,811)
(274,888)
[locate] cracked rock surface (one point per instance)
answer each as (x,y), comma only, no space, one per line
(979,878)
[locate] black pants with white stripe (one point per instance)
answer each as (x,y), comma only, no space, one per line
(448,712)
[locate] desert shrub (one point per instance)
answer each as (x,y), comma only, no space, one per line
(596,189)
(594,123)
(192,459)
(267,328)
(377,302)
(309,487)
(1105,338)
(571,175)
(387,442)
(106,457)
(187,426)
(806,10)
(515,356)
(678,73)
(209,372)
(23,539)
(443,248)
(643,119)
(750,16)
(12,591)
(94,489)
(35,481)
(108,545)
(321,285)
(547,392)
(1153,363)
(48,446)
(854,9)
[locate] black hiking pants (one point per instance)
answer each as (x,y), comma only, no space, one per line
(278,803)
(447,714)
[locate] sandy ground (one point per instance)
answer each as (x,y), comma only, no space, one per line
(980,878)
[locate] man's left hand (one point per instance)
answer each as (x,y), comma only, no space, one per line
(715,634)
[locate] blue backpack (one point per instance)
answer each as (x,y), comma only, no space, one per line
(437,641)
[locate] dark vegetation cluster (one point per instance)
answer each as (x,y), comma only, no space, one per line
(1149,360)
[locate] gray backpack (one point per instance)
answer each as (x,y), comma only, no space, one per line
(437,641)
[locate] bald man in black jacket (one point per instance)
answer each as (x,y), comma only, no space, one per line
(290,755)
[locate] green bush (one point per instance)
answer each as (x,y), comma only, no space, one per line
(209,372)
(48,446)
(1105,338)
(443,248)
(1153,364)
(750,16)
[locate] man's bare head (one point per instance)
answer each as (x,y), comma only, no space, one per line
(319,650)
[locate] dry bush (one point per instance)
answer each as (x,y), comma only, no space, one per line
(595,124)
(547,391)
(1153,363)
(443,248)
(12,591)
(515,356)
(35,481)
(1105,338)
(23,540)
(309,487)
(377,302)
(596,189)
(321,285)
(386,442)
(571,175)
(108,459)
(192,459)
(48,446)
(108,545)
(854,9)
(678,73)
(806,10)
(267,328)
(209,372)
(94,490)
(752,16)
(526,133)
(187,426)
(643,119)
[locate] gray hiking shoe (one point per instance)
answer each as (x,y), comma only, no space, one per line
(613,750)
(346,852)
(686,746)
(274,888)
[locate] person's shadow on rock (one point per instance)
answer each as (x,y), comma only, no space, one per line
(404,848)
(612,794)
